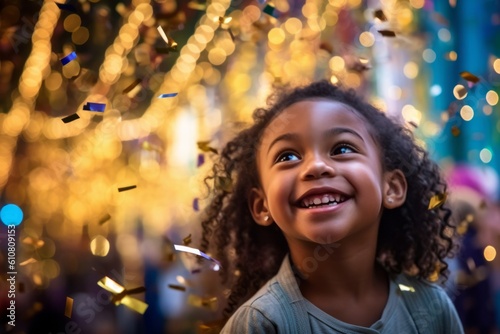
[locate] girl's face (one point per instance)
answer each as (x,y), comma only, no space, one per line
(321,174)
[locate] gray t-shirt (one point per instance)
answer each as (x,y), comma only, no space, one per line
(413,306)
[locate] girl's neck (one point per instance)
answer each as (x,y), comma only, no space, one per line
(344,270)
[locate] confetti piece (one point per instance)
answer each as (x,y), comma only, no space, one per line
(455,131)
(195,251)
(187,240)
(270,10)
(197,6)
(177,287)
(121,295)
(196,206)
(203,145)
(94,106)
(223,20)
(200,160)
(70,118)
(223,183)
(28,261)
(436,201)
(126,188)
(327,47)
(131,86)
(208,302)
(162,96)
(68,58)
(387,33)
(469,77)
(195,271)
(63,6)
(379,14)
(170,42)
(412,123)
(231,34)
(104,219)
(406,288)
(69,307)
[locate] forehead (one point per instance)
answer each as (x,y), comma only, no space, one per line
(315,115)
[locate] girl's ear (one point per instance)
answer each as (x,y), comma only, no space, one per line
(258,207)
(395,187)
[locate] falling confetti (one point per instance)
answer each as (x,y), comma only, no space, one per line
(387,33)
(28,261)
(203,145)
(181,248)
(436,201)
(68,58)
(187,240)
(121,295)
(177,287)
(403,287)
(69,307)
(196,205)
(131,86)
(162,96)
(94,106)
(270,10)
(469,77)
(68,7)
(223,183)
(70,118)
(126,188)
(200,160)
(379,14)
(104,219)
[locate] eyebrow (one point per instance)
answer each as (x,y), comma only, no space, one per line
(328,133)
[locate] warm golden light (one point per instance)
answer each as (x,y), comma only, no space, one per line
(466,113)
(489,253)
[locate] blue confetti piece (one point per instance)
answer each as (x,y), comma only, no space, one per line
(270,10)
(201,160)
(196,206)
(93,106)
(162,96)
(68,58)
(63,6)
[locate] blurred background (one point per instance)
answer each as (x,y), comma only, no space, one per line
(109,193)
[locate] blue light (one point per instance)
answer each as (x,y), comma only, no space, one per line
(11,214)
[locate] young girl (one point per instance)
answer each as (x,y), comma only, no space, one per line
(329,206)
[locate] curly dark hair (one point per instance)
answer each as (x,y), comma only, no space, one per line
(411,239)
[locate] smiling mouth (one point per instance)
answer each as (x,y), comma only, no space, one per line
(318,201)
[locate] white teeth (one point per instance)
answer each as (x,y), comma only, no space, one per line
(328,199)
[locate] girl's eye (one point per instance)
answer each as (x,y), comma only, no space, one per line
(343,149)
(287,156)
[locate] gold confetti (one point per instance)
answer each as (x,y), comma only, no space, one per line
(69,307)
(469,77)
(223,183)
(28,261)
(436,201)
(177,287)
(203,145)
(387,33)
(403,287)
(170,42)
(187,240)
(207,302)
(121,295)
(104,219)
(223,20)
(379,14)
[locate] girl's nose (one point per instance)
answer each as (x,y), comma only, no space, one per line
(317,167)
